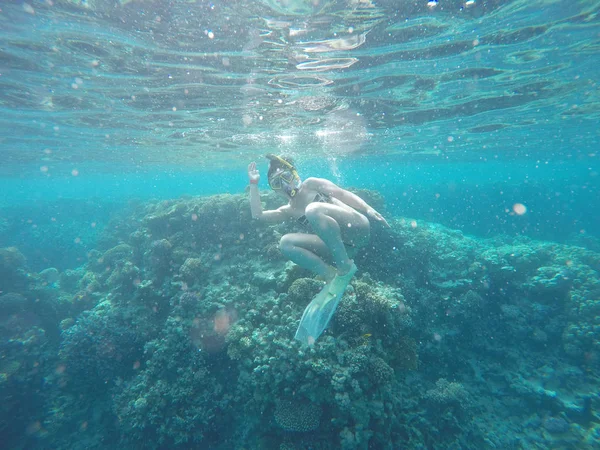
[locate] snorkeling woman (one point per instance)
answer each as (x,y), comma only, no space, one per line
(338,222)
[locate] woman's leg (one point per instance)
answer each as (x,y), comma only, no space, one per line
(335,225)
(308,251)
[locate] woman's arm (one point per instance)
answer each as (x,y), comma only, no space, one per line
(274,216)
(328,188)
(354,201)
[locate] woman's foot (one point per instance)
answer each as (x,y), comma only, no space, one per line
(340,282)
(347,267)
(329,274)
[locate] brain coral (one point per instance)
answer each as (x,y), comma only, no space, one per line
(297,415)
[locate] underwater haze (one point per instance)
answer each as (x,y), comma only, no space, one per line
(159,292)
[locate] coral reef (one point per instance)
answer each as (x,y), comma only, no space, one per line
(177,332)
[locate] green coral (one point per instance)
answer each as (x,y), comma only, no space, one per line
(379,371)
(121,252)
(191,270)
(449,393)
(297,415)
(303,290)
(13,269)
(12,303)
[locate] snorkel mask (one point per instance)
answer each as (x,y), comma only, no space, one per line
(283,176)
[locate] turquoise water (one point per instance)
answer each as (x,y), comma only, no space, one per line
(142,307)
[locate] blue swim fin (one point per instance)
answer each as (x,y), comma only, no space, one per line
(319,311)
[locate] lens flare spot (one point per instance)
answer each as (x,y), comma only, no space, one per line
(519,209)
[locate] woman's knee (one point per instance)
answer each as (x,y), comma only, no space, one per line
(286,244)
(363,223)
(313,211)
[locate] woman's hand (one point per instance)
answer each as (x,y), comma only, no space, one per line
(253,174)
(372,214)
